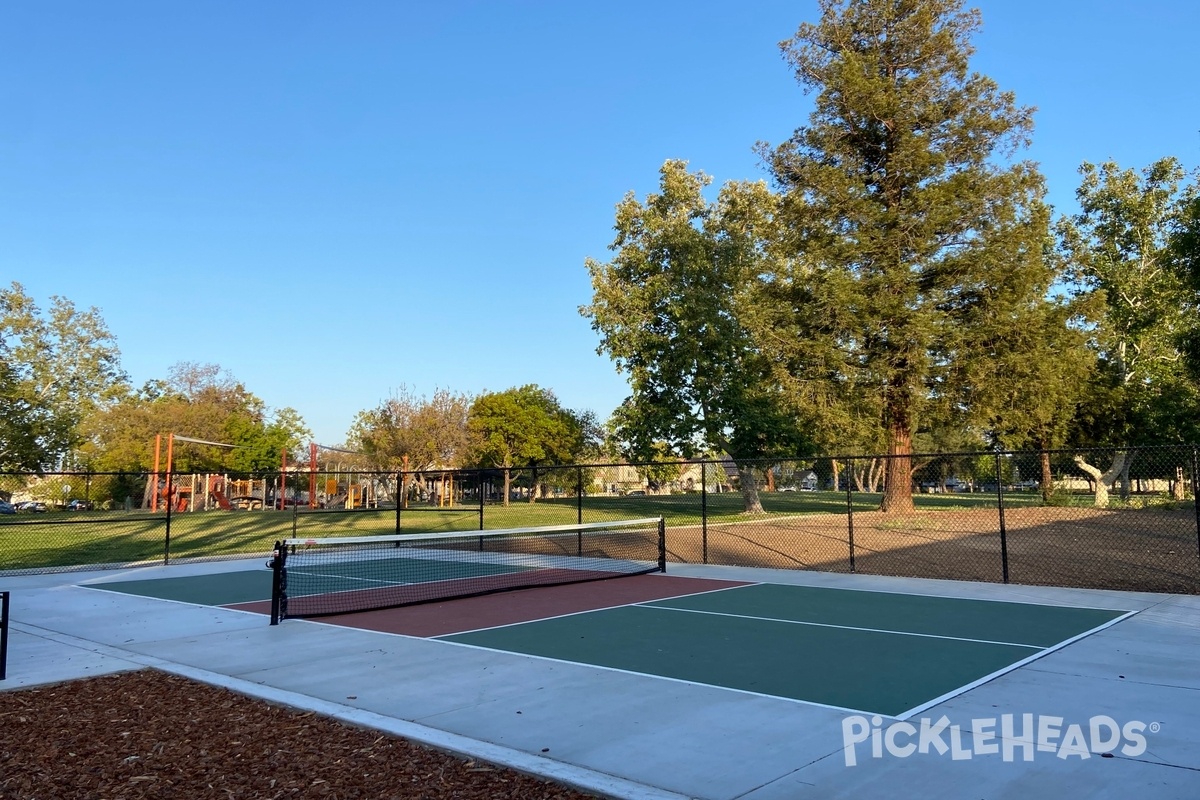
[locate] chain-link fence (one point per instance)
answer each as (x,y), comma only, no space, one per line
(1114,518)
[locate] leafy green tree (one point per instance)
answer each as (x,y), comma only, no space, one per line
(431,433)
(26,429)
(1123,250)
(527,427)
(671,310)
(63,364)
(200,401)
(900,208)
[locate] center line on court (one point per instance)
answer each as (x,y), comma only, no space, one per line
(843,627)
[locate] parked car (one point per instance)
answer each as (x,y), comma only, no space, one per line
(34,506)
(7,508)
(79,505)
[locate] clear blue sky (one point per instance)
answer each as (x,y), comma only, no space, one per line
(332,200)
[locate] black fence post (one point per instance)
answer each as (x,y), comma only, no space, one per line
(848,471)
(3,635)
(1003,528)
(703,512)
(399,491)
(579,495)
(1196,493)
(662,544)
(481,497)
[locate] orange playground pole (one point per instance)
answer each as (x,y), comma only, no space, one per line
(170,460)
(154,491)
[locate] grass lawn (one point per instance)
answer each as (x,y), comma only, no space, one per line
(64,539)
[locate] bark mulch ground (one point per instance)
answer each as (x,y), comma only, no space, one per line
(148,734)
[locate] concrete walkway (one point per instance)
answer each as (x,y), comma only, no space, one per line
(633,736)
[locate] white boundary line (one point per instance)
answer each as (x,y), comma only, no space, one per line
(650,604)
(986,678)
(1041,652)
(1049,603)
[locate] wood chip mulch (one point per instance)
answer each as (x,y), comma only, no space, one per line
(149,734)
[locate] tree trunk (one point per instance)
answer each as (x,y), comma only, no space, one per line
(897,480)
(874,475)
(507,484)
(749,486)
(1103,480)
(1177,486)
(1047,476)
(534,488)
(1125,477)
(859,474)
(837,471)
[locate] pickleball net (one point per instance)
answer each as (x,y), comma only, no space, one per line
(320,577)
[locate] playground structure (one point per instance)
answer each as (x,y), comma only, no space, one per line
(347,489)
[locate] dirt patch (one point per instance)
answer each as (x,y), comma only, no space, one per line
(1146,550)
(152,735)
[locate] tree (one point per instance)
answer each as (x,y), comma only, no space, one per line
(898,205)
(671,307)
(26,429)
(429,433)
(201,401)
(62,366)
(1123,248)
(526,427)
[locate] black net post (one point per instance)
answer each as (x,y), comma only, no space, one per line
(482,493)
(167,535)
(704,512)
(662,544)
(3,635)
(849,511)
(278,582)
(1000,511)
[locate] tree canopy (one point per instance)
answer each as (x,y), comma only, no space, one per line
(430,433)
(671,309)
(61,365)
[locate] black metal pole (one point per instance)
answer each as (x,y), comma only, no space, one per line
(850,512)
(400,489)
(480,499)
(3,635)
(1196,493)
(1003,528)
(278,558)
(579,495)
(704,512)
(662,544)
(167,535)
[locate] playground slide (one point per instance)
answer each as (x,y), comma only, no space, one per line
(221,499)
(336,502)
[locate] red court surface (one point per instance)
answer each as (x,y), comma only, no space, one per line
(521,605)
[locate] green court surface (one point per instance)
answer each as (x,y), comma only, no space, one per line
(872,652)
(220,589)
(369,573)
